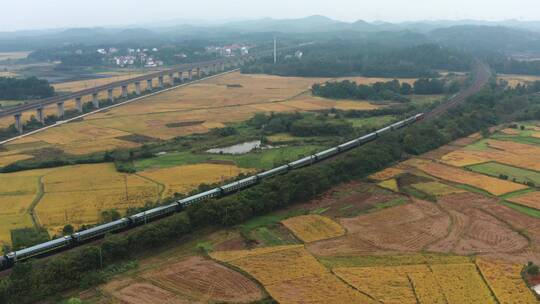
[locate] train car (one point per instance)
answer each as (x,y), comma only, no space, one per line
(5,262)
(40,249)
(349,145)
(367,138)
(306,161)
(101,230)
(327,153)
(216,192)
(273,172)
(246,182)
(153,214)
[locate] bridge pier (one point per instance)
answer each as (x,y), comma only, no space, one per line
(18,123)
(39,114)
(190,74)
(171,79)
(223,66)
(124,91)
(60,109)
(149,84)
(198,73)
(137,88)
(78,104)
(160,82)
(110,95)
(95,100)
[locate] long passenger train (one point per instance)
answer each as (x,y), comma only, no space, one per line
(81,237)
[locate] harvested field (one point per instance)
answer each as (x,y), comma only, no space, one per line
(492,185)
(312,228)
(475,231)
(461,283)
(423,222)
(505,152)
(198,278)
(129,291)
(78,194)
(183,179)
(530,199)
(291,275)
(436,188)
(505,281)
(349,199)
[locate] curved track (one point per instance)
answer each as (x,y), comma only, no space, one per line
(482,74)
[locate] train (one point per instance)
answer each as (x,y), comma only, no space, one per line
(81,237)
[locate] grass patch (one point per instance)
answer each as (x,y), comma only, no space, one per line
(514,173)
(517,193)
(523,138)
(372,122)
(418,194)
(391,203)
(526,210)
(265,159)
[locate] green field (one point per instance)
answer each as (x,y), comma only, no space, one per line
(264,159)
(372,122)
(496,169)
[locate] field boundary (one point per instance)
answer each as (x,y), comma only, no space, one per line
(59,123)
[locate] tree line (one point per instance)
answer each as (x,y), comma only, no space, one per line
(347,58)
(390,90)
(25,88)
(81,267)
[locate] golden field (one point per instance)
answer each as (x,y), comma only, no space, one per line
(313,227)
(17,191)
(514,80)
(183,179)
(77,195)
(505,152)
(213,102)
(461,283)
(291,275)
(385,284)
(506,282)
(492,185)
(531,199)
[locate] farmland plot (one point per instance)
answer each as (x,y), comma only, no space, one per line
(312,228)
(506,282)
(78,194)
(291,275)
(492,185)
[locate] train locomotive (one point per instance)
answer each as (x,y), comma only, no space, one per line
(142,218)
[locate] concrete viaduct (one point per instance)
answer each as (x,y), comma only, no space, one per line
(193,71)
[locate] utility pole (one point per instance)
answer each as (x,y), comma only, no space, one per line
(275,49)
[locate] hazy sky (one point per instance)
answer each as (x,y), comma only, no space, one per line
(34,14)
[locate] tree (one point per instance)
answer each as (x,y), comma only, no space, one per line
(68,230)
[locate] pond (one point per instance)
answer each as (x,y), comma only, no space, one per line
(242,148)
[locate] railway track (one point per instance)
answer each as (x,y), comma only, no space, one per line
(482,74)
